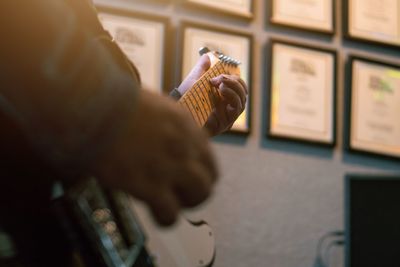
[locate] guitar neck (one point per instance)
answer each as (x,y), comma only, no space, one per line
(202,97)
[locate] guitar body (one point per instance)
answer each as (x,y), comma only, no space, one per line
(105,229)
(112,228)
(101,227)
(186,243)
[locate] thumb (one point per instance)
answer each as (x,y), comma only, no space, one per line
(202,65)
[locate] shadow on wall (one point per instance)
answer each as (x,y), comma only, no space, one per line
(231,139)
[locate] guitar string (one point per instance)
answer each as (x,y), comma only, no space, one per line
(203,97)
(184,102)
(197,108)
(201,86)
(197,118)
(198,88)
(202,110)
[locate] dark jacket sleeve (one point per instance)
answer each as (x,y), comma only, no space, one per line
(67,87)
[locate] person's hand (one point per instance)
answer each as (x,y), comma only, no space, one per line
(163,159)
(231,103)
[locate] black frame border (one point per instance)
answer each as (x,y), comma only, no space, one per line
(350,63)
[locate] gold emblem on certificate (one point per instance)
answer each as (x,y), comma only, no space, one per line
(236,45)
(302,93)
(375,107)
(315,15)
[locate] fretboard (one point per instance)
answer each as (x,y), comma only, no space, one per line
(201,99)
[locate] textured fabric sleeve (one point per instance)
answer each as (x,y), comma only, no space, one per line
(175,94)
(68,88)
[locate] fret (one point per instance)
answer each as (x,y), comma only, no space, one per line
(209,94)
(200,96)
(192,110)
(213,71)
(215,95)
(203,89)
(204,84)
(221,69)
(204,97)
(197,107)
(185,104)
(213,92)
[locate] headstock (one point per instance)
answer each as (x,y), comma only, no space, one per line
(231,65)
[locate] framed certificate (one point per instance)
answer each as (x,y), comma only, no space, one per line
(142,38)
(243,8)
(375,107)
(313,15)
(374,21)
(302,93)
(233,44)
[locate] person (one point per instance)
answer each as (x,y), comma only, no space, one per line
(71,107)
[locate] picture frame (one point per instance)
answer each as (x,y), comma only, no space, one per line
(372,22)
(316,16)
(144,39)
(373,123)
(241,8)
(298,109)
(238,45)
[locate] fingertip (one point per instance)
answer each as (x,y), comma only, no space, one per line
(165,209)
(218,80)
(214,81)
(205,61)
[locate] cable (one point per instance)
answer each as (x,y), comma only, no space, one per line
(319,261)
(324,237)
(331,245)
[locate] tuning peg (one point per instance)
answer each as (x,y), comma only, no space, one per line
(203,50)
(237,62)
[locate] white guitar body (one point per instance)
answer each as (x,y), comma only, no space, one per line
(185,244)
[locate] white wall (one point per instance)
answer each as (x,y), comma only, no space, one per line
(275,199)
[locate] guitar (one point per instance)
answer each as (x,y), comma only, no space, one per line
(188,242)
(103,227)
